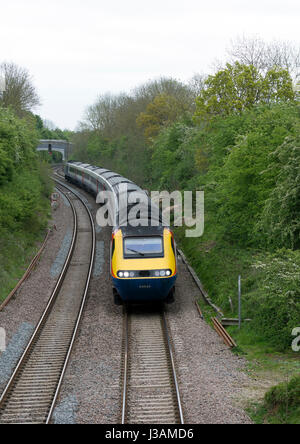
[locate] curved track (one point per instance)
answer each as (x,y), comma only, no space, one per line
(150,387)
(32,391)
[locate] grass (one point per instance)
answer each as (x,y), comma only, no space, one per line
(281,404)
(16,253)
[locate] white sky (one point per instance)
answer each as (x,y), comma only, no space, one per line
(76,50)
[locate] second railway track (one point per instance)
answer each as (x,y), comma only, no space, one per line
(150,386)
(32,391)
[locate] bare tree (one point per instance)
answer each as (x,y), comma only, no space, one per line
(101,115)
(147,92)
(264,56)
(20,92)
(49,125)
(197,84)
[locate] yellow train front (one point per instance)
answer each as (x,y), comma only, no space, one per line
(143,264)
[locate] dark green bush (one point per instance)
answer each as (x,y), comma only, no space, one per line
(24,196)
(284,395)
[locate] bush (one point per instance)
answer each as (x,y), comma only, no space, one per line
(245,180)
(24,197)
(280,221)
(284,395)
(276,304)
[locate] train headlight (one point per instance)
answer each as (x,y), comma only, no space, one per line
(163,273)
(126,274)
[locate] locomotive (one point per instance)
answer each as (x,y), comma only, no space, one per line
(143,260)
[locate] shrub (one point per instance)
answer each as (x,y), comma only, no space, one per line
(275,307)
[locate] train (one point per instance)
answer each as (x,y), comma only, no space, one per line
(143,259)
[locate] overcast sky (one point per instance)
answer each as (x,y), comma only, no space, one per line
(76,50)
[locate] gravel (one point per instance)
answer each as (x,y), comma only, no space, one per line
(58,264)
(65,412)
(99,259)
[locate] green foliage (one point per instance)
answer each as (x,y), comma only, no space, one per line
(280,221)
(284,394)
(18,143)
(46,133)
(172,161)
(276,311)
(239,87)
(160,113)
(24,196)
(281,404)
(245,179)
(6,167)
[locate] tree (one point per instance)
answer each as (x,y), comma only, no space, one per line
(280,220)
(239,87)
(160,113)
(265,56)
(147,92)
(197,84)
(20,92)
(100,115)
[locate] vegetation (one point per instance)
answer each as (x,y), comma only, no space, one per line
(47,130)
(20,93)
(239,87)
(281,404)
(24,196)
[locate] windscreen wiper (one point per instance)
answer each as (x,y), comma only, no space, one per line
(135,251)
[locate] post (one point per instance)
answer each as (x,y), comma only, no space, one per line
(240,301)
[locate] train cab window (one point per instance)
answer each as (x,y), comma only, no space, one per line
(173,245)
(139,247)
(113,247)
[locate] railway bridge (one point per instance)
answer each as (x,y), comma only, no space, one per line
(62,146)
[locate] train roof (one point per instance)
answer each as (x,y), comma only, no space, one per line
(121,186)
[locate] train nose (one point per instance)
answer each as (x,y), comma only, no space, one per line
(144,289)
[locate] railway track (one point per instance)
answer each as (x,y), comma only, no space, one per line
(31,393)
(150,387)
